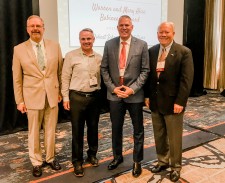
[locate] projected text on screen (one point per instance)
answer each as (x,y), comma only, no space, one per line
(102,16)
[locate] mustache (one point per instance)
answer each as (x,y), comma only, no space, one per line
(36,32)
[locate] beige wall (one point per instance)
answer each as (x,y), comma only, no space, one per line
(175,14)
(48,11)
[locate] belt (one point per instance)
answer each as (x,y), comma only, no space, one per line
(86,94)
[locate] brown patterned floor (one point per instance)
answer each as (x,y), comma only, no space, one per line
(202,114)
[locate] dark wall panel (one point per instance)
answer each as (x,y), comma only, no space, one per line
(193,37)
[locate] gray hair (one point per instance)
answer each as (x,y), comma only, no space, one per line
(35,16)
(125,16)
(171,24)
(87,29)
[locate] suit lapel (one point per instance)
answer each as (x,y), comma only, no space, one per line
(31,53)
(131,50)
(170,56)
(116,51)
(47,53)
(155,59)
(156,54)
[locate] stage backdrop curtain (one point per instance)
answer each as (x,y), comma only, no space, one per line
(13,16)
(214,63)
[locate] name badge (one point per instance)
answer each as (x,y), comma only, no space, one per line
(160,66)
(122,71)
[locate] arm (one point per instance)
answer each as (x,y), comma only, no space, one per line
(60,63)
(147,102)
(105,70)
(186,77)
(18,82)
(66,77)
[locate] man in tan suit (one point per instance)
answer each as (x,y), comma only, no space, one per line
(37,65)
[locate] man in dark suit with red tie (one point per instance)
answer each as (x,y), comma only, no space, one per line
(124,75)
(167,91)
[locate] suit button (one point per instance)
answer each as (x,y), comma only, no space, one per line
(157,83)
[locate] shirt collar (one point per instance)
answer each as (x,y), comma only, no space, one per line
(82,53)
(167,47)
(127,41)
(34,43)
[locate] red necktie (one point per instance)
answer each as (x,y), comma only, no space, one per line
(123,55)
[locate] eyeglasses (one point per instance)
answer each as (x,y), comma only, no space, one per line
(88,39)
(37,26)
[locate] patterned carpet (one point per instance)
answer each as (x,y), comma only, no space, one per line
(15,166)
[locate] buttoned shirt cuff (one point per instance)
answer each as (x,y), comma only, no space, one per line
(66,99)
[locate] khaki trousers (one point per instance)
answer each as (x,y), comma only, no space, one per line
(47,118)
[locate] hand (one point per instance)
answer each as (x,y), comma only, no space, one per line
(177,108)
(128,90)
(147,102)
(66,105)
(59,98)
(22,108)
(119,91)
(123,91)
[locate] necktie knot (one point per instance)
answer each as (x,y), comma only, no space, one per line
(123,43)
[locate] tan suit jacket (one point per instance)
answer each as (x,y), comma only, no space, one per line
(30,85)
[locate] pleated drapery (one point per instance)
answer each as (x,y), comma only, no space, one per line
(13,16)
(214,53)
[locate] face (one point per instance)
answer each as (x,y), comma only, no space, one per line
(124,28)
(165,34)
(35,28)
(86,41)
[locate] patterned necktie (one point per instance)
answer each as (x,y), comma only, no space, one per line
(161,62)
(123,55)
(163,55)
(40,57)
